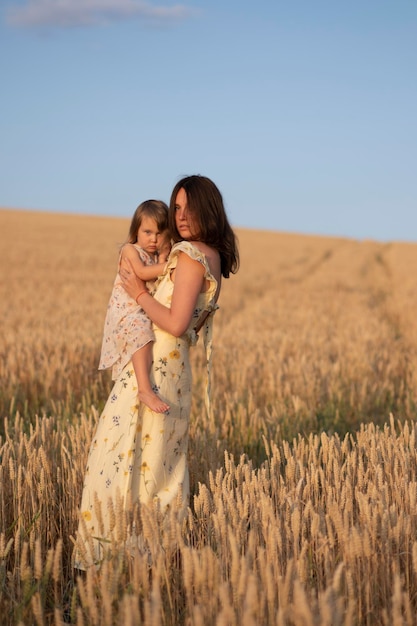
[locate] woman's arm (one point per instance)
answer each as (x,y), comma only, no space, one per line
(145,272)
(189,280)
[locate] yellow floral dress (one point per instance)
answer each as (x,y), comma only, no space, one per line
(136,454)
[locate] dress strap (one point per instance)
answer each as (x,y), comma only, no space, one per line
(207,329)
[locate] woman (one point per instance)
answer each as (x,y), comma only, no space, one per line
(138,455)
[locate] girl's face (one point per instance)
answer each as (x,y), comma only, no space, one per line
(149,235)
(185,222)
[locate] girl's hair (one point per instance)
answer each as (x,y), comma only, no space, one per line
(155,209)
(205,202)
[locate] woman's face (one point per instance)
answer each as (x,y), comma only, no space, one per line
(187,226)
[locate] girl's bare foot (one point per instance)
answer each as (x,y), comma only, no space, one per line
(153,402)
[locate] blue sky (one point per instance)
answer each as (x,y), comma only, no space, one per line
(302,111)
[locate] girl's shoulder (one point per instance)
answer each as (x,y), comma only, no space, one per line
(131,251)
(143,255)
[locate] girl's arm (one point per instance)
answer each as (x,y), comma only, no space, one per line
(145,272)
(150,272)
(189,280)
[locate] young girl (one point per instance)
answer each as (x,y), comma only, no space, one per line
(128,333)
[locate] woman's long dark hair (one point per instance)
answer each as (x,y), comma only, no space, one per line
(205,202)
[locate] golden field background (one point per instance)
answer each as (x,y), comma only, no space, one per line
(304,488)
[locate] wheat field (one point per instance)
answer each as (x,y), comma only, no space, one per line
(303,509)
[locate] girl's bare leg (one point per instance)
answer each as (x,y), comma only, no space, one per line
(142,360)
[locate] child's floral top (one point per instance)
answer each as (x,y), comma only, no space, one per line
(126,327)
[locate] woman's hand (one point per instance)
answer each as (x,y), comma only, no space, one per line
(131,283)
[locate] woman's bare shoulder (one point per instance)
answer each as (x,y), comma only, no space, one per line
(212,255)
(204,248)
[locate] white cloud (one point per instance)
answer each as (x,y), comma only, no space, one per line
(65,13)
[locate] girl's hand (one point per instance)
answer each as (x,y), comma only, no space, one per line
(131,283)
(163,257)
